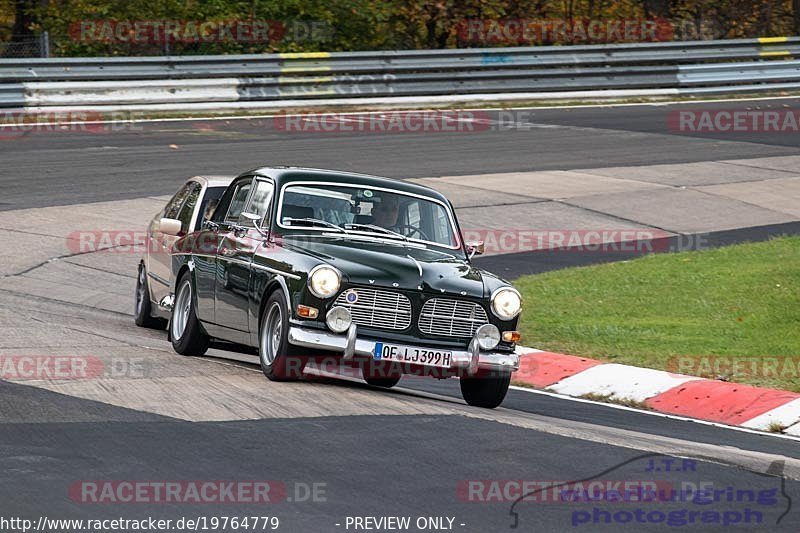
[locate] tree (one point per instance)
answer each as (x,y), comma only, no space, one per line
(24,19)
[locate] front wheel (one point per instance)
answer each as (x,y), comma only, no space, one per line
(485,389)
(380,375)
(186,334)
(279,360)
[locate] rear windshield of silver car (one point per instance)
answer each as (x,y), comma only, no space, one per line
(365,209)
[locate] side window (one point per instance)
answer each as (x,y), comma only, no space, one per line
(186,212)
(174,205)
(221,211)
(260,202)
(209,206)
(238,201)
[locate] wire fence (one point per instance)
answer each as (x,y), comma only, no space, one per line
(29,47)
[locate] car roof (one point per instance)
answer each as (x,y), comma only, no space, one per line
(213,181)
(283,175)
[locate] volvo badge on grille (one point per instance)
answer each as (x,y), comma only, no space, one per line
(351,296)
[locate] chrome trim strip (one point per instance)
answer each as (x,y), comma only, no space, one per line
(275,271)
(453,226)
(158,278)
(419,267)
(190,254)
(255,265)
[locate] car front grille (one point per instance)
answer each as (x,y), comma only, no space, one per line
(451,318)
(377,309)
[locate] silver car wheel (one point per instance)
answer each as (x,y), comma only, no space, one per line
(271,334)
(180,315)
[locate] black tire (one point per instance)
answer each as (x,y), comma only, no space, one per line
(380,375)
(186,334)
(143,307)
(279,360)
(485,389)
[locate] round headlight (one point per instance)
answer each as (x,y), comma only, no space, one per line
(506,303)
(338,319)
(488,336)
(324,281)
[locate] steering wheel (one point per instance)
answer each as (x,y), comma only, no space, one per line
(413,229)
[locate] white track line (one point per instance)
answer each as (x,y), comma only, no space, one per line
(656,413)
(324,373)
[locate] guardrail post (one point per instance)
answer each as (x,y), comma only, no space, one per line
(44,44)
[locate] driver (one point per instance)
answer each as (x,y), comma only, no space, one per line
(385,212)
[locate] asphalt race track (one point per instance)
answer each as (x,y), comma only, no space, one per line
(332,449)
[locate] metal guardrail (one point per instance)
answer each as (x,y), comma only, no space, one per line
(682,67)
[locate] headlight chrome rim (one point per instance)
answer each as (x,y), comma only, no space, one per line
(338,319)
(488,336)
(493,300)
(314,290)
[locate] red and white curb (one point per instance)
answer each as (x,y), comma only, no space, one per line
(675,394)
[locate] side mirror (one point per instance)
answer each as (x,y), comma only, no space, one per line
(170,226)
(256,220)
(252,217)
(476,248)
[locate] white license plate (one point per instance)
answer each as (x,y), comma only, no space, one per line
(412,355)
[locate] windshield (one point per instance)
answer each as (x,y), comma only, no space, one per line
(385,214)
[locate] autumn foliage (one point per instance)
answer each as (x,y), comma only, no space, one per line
(108,27)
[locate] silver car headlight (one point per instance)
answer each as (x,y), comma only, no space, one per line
(324,281)
(506,303)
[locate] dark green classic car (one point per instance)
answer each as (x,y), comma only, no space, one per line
(303,262)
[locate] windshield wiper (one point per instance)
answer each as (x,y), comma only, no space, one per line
(375,228)
(314,222)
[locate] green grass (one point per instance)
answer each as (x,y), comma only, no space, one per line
(737,303)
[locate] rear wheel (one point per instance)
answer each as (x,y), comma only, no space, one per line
(279,359)
(143,308)
(186,334)
(486,388)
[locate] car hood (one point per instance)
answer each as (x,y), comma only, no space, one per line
(388,264)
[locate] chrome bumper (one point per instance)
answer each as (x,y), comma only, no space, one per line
(350,346)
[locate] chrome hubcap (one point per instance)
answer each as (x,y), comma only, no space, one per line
(271,334)
(180,313)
